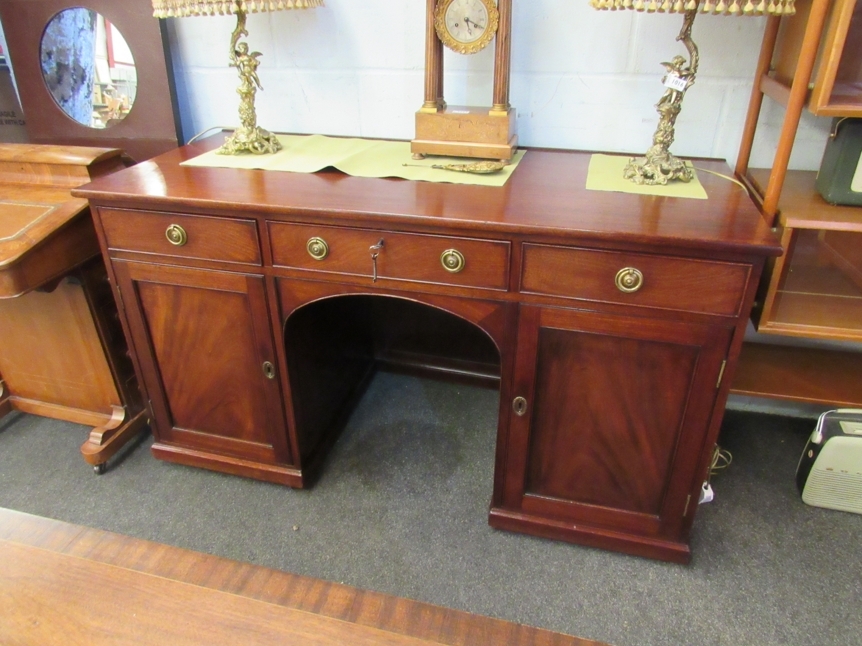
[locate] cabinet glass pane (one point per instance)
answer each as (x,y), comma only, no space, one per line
(848,78)
(821,290)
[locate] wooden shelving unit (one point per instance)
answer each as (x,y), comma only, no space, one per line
(811,60)
(809,375)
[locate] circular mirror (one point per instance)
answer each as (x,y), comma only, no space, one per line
(88,67)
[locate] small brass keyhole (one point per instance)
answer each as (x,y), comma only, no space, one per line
(268,370)
(519,405)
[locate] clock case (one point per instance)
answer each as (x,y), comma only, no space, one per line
(466,131)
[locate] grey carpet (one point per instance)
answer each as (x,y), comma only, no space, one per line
(401,508)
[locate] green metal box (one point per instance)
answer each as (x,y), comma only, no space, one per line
(840,178)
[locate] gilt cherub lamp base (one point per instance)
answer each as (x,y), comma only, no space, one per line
(255,140)
(659,166)
(660,169)
(249,138)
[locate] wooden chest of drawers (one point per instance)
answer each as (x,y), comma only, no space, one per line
(259,304)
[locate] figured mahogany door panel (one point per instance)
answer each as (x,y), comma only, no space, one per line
(666,282)
(469,262)
(618,410)
(207,338)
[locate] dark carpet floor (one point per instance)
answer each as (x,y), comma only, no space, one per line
(401,508)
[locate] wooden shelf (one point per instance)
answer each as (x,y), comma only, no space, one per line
(815,290)
(809,375)
(802,207)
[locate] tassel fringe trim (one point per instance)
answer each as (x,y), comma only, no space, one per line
(732,8)
(183,8)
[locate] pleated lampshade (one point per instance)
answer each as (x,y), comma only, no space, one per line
(732,8)
(183,8)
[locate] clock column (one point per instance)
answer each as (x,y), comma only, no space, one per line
(433,64)
(502,59)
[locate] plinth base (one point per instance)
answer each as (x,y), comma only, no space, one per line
(462,131)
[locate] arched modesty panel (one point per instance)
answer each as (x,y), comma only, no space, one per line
(490,317)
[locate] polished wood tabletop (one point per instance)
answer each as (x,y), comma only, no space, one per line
(546,194)
(65,584)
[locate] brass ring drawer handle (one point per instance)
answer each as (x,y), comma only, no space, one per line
(176,235)
(629,280)
(317,248)
(452,260)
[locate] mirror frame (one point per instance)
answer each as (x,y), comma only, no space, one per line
(151,127)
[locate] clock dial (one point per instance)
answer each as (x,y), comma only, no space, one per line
(466,20)
(466,26)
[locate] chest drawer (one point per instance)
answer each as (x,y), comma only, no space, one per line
(182,236)
(637,279)
(446,260)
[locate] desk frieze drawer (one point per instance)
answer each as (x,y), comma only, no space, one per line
(182,236)
(466,262)
(635,279)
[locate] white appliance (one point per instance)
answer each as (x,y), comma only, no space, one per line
(830,469)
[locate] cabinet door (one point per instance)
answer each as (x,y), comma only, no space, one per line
(617,410)
(202,339)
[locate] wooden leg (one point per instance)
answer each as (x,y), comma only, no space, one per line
(105,441)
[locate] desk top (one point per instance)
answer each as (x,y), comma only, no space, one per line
(35,206)
(546,196)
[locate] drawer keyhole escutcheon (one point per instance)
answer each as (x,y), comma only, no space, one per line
(268,370)
(519,405)
(317,248)
(629,280)
(176,235)
(452,260)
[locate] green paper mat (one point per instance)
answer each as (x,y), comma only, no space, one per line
(606,174)
(358,157)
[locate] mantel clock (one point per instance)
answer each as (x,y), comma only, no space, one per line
(466,27)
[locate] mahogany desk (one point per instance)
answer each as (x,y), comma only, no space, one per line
(611,322)
(62,352)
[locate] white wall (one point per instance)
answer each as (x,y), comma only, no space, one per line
(581,79)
